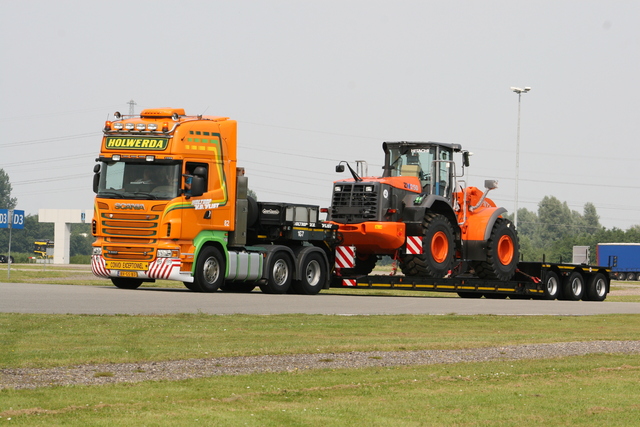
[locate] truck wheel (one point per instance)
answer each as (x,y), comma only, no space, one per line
(503,251)
(210,270)
(191,286)
(630,276)
(313,275)
(596,288)
(121,283)
(573,287)
(280,273)
(622,276)
(551,286)
(438,249)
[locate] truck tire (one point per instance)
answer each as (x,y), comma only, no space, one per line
(313,275)
(438,249)
(191,286)
(630,276)
(596,288)
(552,287)
(210,270)
(622,276)
(122,283)
(503,251)
(573,287)
(280,274)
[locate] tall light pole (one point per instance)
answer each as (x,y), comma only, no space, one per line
(519,91)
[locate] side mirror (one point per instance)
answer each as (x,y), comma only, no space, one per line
(197,186)
(340,168)
(490,184)
(465,158)
(96,182)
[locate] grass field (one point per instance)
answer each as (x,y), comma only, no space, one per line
(595,390)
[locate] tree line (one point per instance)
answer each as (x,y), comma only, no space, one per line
(555,229)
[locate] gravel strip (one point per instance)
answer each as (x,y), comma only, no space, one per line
(199,368)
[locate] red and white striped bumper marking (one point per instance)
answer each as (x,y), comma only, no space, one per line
(345,257)
(98,266)
(414,245)
(161,269)
(349,282)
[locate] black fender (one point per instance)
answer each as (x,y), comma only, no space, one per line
(412,214)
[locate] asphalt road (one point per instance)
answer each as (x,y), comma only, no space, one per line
(63,299)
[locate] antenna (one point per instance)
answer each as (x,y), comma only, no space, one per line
(131,104)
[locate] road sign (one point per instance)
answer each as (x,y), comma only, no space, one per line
(11,218)
(18,220)
(4,218)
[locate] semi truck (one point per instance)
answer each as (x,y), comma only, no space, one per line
(172,203)
(622,258)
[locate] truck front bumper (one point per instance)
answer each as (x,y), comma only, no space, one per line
(161,268)
(373,237)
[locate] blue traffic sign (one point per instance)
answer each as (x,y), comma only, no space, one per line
(4,218)
(18,220)
(11,219)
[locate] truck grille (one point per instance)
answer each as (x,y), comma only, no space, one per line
(352,204)
(127,236)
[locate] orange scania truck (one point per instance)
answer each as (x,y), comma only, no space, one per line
(172,204)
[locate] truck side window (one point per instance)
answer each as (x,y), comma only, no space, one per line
(190,169)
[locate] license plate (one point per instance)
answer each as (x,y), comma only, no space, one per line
(128,274)
(127,265)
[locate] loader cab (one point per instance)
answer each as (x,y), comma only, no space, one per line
(431,162)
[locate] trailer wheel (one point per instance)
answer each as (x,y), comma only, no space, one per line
(438,249)
(503,251)
(596,288)
(573,287)
(280,274)
(313,275)
(551,286)
(630,276)
(622,276)
(210,270)
(121,283)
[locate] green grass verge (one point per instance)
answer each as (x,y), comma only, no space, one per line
(45,340)
(593,390)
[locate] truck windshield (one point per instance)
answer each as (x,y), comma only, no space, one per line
(139,180)
(431,164)
(409,161)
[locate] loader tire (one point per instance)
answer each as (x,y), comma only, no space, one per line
(438,249)
(503,251)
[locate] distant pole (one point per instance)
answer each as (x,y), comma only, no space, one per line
(131,104)
(519,91)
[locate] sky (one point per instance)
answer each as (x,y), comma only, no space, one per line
(312,83)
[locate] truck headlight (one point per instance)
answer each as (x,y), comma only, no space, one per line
(164,253)
(97,250)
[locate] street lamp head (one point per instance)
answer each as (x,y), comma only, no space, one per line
(520,90)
